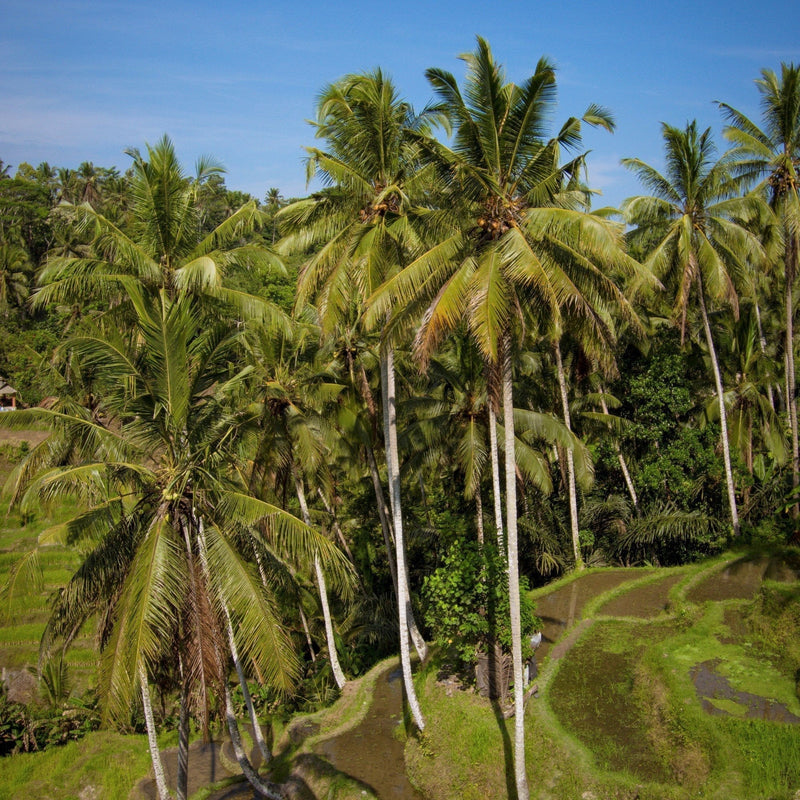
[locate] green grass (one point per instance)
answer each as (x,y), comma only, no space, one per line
(103,765)
(25,607)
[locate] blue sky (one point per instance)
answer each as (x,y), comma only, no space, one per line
(236,80)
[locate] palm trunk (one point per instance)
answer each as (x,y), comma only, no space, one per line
(573,492)
(479,515)
(309,641)
(393,466)
(152,741)
(384,513)
(498,500)
(264,788)
(520,775)
(182,784)
(403,600)
(790,262)
(335,525)
(762,341)
(723,416)
(622,463)
(323,591)
(193,585)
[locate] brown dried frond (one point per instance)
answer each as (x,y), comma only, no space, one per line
(204,640)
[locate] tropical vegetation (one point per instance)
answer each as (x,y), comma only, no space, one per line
(293,437)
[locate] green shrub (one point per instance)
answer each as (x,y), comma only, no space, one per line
(466,603)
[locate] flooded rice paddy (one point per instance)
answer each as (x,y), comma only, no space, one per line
(373,751)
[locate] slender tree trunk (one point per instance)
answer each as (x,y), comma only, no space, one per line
(622,463)
(762,341)
(333,656)
(479,515)
(262,787)
(723,415)
(384,514)
(182,784)
(520,774)
(309,641)
(258,734)
(393,465)
(403,600)
(498,500)
(573,491)
(152,741)
(335,524)
(790,264)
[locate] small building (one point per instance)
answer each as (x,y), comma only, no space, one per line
(8,396)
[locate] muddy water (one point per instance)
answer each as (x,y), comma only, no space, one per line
(372,752)
(742,579)
(710,685)
(560,609)
(642,602)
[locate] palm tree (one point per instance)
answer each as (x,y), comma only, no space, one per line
(14,266)
(164,249)
(172,520)
(753,420)
(361,224)
(697,246)
(519,243)
(275,202)
(769,157)
(295,432)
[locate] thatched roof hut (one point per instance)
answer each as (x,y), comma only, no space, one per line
(8,395)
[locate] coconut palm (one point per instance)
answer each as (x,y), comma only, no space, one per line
(172,521)
(519,243)
(698,248)
(293,445)
(274,202)
(769,157)
(361,225)
(14,267)
(164,249)
(753,421)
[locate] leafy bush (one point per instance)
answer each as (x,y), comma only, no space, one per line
(466,603)
(27,728)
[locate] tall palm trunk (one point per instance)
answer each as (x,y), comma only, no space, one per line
(790,264)
(393,467)
(262,787)
(152,740)
(723,415)
(182,783)
(333,656)
(393,463)
(479,515)
(573,491)
(335,524)
(762,343)
(383,514)
(520,775)
(498,500)
(621,458)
